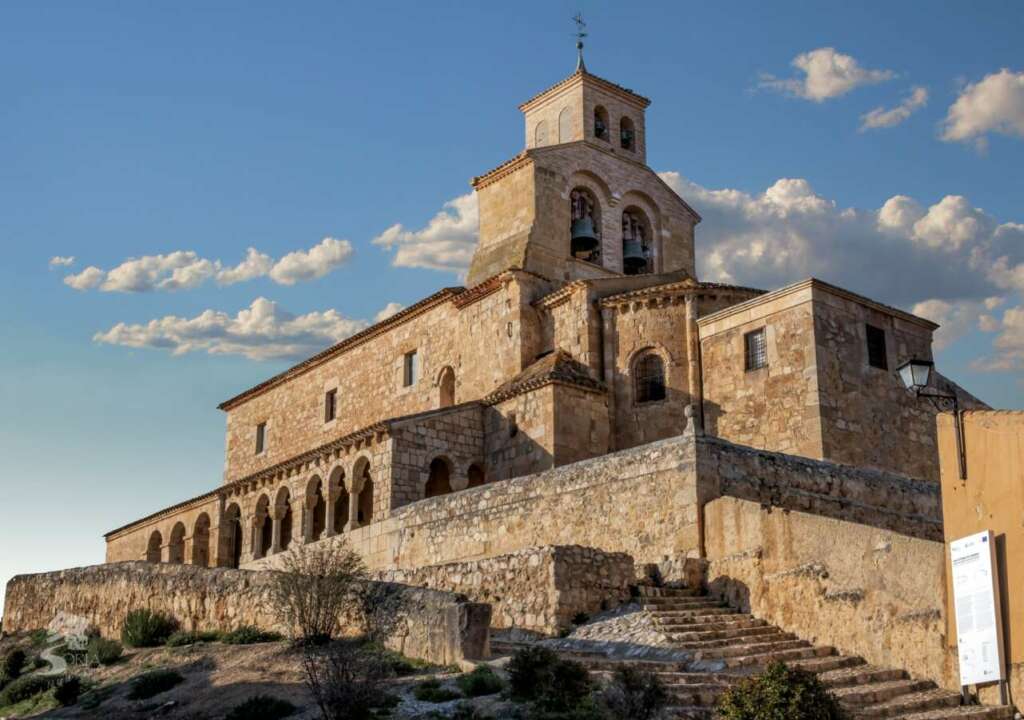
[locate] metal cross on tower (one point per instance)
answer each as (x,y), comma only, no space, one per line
(580,34)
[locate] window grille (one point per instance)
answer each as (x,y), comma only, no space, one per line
(755,350)
(650,379)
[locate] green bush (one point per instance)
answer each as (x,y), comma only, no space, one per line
(249,635)
(432,691)
(482,681)
(181,638)
(103,651)
(537,674)
(634,695)
(24,688)
(13,663)
(67,690)
(145,628)
(261,707)
(779,693)
(39,638)
(152,683)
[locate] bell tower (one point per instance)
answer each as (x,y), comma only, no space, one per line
(579,201)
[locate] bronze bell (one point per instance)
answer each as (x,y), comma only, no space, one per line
(584,239)
(633,259)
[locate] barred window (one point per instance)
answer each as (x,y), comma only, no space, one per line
(650,378)
(410,369)
(876,347)
(755,350)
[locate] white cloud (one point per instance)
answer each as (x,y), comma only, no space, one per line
(256,264)
(262,331)
(88,279)
(994,104)
(446,243)
(313,263)
(387,311)
(902,253)
(62,261)
(826,74)
(955,318)
(882,118)
(184,269)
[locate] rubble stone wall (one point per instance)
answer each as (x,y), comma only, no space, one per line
(440,626)
(538,589)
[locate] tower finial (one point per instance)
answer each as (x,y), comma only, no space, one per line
(580,34)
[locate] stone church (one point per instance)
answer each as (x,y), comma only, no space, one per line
(589,424)
(583,331)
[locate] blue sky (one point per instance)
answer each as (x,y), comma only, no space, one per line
(308,130)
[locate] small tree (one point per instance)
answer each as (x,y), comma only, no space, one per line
(345,678)
(780,693)
(634,695)
(317,586)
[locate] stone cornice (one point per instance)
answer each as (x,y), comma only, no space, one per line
(674,289)
(508,167)
(580,76)
(815,283)
(560,296)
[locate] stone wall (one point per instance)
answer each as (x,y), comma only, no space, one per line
(440,626)
(581,427)
(537,589)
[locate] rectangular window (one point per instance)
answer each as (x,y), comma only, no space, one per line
(876,347)
(261,437)
(755,350)
(410,369)
(330,405)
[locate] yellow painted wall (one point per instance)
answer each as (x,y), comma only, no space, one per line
(991,498)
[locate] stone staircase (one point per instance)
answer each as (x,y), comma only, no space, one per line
(727,646)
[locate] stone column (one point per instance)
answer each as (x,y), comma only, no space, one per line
(353,512)
(332,497)
(275,542)
(190,549)
(307,519)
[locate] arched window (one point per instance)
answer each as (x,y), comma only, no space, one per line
(476,476)
(446,388)
(176,549)
(540,134)
(231,537)
(650,378)
(284,511)
(637,258)
(156,540)
(439,482)
(565,125)
(201,541)
(316,509)
(627,134)
(600,123)
(365,513)
(585,226)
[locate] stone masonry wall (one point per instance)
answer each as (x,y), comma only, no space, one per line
(581,427)
(537,589)
(439,626)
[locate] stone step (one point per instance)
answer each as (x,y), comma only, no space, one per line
(655,603)
(729,622)
(724,634)
(709,611)
(828,663)
(859,675)
(971,712)
(786,656)
(757,648)
(745,638)
(652,591)
(873,693)
(915,702)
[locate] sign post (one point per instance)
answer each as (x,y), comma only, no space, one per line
(979,620)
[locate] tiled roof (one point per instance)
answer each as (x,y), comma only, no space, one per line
(558,366)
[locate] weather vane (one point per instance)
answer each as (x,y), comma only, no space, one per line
(580,34)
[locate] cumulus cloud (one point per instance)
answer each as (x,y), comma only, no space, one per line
(62,261)
(256,264)
(955,318)
(91,277)
(882,118)
(994,104)
(826,74)
(263,331)
(313,263)
(184,269)
(387,311)
(446,243)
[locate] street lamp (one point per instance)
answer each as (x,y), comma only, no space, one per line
(916,374)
